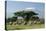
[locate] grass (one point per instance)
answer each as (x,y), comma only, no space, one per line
(21,27)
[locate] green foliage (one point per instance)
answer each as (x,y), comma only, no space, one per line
(27,14)
(13,19)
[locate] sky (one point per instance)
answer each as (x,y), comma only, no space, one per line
(12,6)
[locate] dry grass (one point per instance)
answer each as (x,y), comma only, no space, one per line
(20,27)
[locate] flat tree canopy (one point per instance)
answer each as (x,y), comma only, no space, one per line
(25,14)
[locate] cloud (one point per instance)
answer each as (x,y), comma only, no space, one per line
(25,9)
(30,8)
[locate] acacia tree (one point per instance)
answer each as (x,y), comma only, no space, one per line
(27,14)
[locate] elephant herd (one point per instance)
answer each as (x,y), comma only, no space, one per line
(15,21)
(23,22)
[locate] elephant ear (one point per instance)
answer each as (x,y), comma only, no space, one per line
(35,18)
